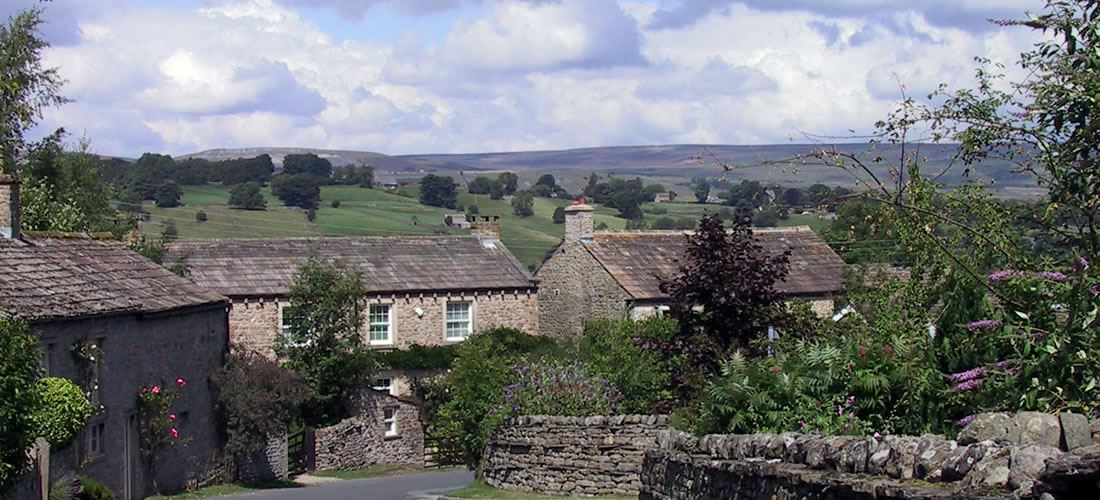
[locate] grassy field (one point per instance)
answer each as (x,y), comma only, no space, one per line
(364,212)
(373,212)
(695,210)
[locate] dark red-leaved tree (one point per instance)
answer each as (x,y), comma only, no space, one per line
(724,296)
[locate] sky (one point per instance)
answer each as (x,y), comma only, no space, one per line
(468,76)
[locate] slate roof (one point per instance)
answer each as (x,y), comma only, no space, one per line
(266,266)
(639,260)
(61,278)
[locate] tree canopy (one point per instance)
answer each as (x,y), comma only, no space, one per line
(247,196)
(438,191)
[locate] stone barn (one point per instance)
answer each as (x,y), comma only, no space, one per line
(595,275)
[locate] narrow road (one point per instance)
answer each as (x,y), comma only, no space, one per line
(425,485)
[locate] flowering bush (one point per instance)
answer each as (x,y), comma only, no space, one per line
(158,424)
(562,389)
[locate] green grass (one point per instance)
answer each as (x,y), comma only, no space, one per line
(376,471)
(363,212)
(696,210)
(224,489)
(478,489)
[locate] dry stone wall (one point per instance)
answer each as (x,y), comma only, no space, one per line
(571,456)
(361,441)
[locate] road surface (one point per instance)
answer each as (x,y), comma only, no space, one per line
(425,485)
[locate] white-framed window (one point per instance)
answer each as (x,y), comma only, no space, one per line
(389,421)
(459,320)
(95,439)
(284,320)
(383,384)
(44,362)
(380,324)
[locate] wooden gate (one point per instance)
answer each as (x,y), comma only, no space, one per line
(442,451)
(299,451)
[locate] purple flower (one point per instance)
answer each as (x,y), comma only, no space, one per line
(1082,264)
(984,324)
(965,421)
(1007,274)
(1054,276)
(1095,289)
(968,375)
(969,385)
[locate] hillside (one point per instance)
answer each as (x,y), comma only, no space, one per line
(673,165)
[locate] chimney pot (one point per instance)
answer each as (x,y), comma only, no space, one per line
(486,227)
(9,207)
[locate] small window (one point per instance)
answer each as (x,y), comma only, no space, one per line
(381,324)
(459,325)
(44,362)
(383,384)
(286,316)
(95,439)
(389,421)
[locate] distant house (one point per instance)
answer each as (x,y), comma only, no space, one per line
(662,198)
(429,290)
(595,275)
(456,220)
(713,198)
(140,325)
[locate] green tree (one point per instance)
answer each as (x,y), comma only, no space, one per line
(26,87)
(438,191)
(18,399)
(792,197)
(547,180)
(63,410)
(480,185)
(523,204)
(307,164)
(818,193)
(765,217)
(702,190)
(496,190)
(322,343)
(168,195)
(299,190)
(247,196)
(509,181)
(559,215)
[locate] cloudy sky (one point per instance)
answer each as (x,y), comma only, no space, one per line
(439,76)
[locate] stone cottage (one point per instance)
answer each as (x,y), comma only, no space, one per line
(595,275)
(430,290)
(113,321)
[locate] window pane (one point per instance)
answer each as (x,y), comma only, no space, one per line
(378,317)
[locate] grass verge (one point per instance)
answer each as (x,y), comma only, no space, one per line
(478,489)
(376,471)
(224,489)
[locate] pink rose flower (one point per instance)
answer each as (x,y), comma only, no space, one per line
(155,389)
(181,382)
(175,433)
(171,417)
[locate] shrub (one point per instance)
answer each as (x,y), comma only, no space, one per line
(335,203)
(200,216)
(257,399)
(557,388)
(418,357)
(62,412)
(18,371)
(610,349)
(247,196)
(475,386)
(90,489)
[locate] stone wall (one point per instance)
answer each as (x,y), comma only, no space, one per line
(998,456)
(575,288)
(270,464)
(361,441)
(571,455)
(255,322)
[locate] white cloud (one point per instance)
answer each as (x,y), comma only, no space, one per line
(523,75)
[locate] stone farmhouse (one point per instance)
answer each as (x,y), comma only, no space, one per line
(595,275)
(113,322)
(431,290)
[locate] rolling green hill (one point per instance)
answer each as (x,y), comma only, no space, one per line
(363,212)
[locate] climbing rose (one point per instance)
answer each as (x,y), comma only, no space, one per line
(175,433)
(171,417)
(181,382)
(155,389)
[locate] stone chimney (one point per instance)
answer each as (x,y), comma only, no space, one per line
(9,207)
(578,222)
(486,227)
